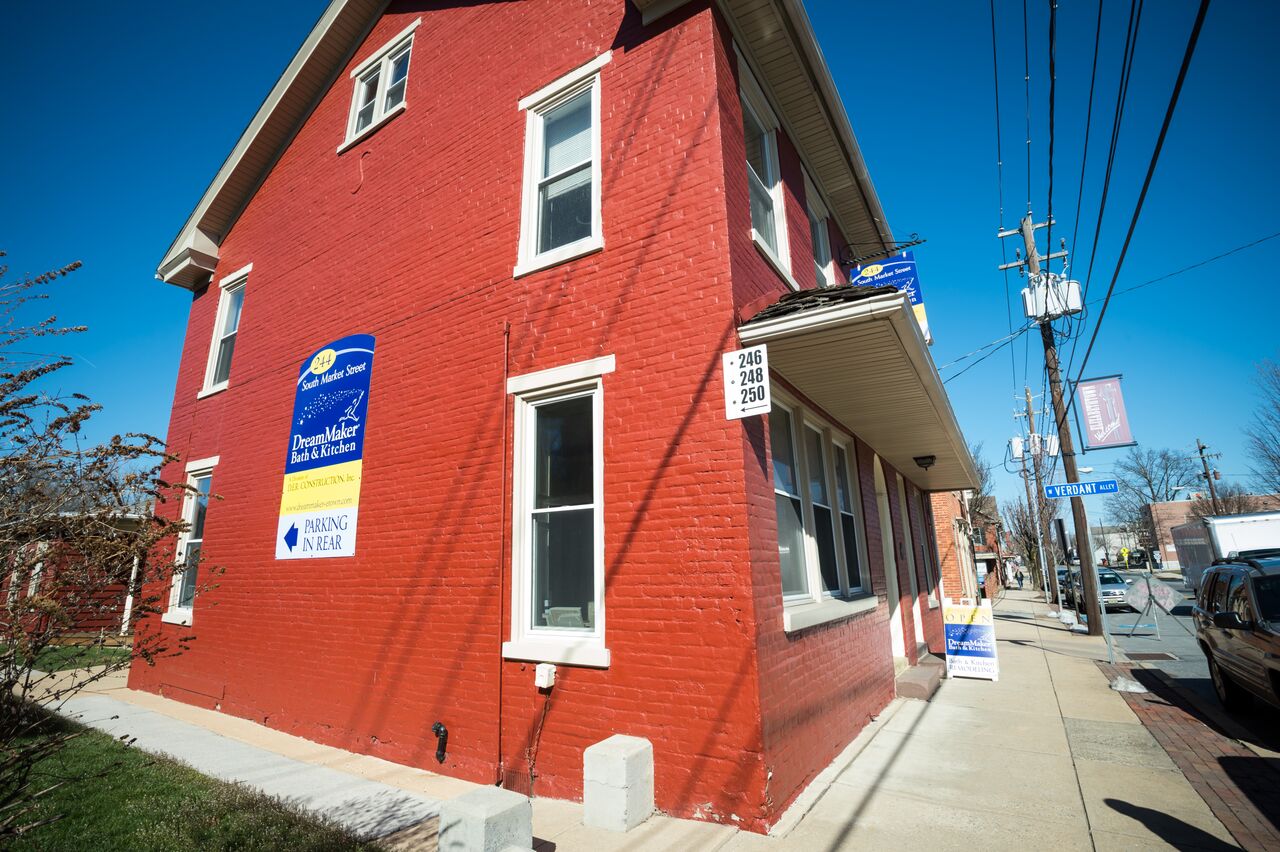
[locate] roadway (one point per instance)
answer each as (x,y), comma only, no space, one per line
(1183,664)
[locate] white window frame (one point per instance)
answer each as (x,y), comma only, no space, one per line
(175,614)
(379,62)
(753,100)
(535,106)
(226,287)
(819,220)
(817,605)
(548,644)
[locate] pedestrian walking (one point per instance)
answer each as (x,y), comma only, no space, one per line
(1020,579)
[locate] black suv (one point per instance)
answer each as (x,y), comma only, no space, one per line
(1238,626)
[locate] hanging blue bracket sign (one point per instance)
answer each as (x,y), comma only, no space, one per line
(1081,489)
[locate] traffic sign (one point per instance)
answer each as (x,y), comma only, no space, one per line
(1081,489)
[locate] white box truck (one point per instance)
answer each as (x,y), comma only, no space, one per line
(1200,542)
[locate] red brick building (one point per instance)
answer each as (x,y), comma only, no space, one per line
(553,255)
(954,532)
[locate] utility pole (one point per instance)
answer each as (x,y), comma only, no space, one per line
(1051,583)
(1034,507)
(1088,574)
(1208,476)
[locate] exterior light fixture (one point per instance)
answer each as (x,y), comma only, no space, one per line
(925,462)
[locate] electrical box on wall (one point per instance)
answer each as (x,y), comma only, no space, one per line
(544,676)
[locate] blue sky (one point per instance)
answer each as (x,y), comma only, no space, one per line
(115,141)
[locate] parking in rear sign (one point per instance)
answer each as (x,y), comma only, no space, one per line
(320,499)
(1081,489)
(746,382)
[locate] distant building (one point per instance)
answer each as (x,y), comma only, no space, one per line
(1161,518)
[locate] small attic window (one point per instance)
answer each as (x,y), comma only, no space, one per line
(380,82)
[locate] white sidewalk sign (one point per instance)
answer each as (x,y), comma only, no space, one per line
(971,640)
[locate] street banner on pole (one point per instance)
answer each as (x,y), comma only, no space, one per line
(1106,423)
(320,499)
(970,633)
(898,271)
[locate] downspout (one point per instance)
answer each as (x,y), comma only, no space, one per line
(502,533)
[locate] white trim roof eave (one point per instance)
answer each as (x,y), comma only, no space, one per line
(808,39)
(193,253)
(824,333)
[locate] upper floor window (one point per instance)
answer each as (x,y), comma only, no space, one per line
(764,177)
(226,326)
(561,204)
(380,83)
(823,265)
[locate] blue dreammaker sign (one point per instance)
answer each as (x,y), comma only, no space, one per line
(1081,489)
(320,499)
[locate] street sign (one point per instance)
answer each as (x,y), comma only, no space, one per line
(746,382)
(1081,489)
(320,498)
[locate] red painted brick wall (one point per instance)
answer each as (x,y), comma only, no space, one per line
(818,687)
(412,236)
(956,579)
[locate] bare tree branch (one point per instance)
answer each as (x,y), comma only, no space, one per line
(78,531)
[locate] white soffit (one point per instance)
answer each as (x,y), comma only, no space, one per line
(328,47)
(867,365)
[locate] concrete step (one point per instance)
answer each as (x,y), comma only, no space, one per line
(922,680)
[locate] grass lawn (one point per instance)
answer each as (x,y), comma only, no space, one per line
(62,657)
(150,803)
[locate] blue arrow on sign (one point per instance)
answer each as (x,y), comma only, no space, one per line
(291,537)
(1081,489)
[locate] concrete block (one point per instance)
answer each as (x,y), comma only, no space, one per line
(488,819)
(617,788)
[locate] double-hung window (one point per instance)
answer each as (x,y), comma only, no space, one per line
(823,265)
(561,206)
(195,508)
(226,326)
(820,533)
(380,83)
(764,177)
(558,516)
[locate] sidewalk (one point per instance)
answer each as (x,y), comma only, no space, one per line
(1048,755)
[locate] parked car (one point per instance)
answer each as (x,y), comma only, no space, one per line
(1112,589)
(1237,616)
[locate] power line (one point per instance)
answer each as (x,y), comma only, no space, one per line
(1026,79)
(1088,123)
(1122,90)
(1192,266)
(1008,301)
(1053,87)
(998,346)
(1146,185)
(985,346)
